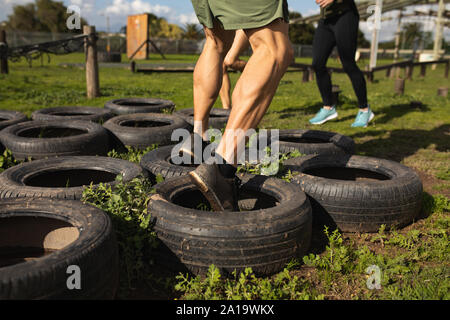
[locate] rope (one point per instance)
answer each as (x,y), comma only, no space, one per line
(36,51)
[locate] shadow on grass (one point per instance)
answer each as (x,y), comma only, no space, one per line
(402,143)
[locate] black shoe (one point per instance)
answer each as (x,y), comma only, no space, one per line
(188,148)
(221,192)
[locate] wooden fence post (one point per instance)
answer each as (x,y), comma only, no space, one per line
(92,79)
(442,92)
(447,69)
(423,70)
(400,86)
(4,50)
(311,74)
(305,75)
(409,71)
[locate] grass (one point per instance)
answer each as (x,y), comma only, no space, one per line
(413,261)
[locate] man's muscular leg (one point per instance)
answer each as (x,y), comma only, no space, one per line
(272,54)
(208,75)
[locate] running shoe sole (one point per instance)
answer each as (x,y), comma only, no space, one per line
(330,117)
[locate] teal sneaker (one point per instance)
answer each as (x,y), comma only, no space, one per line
(324,115)
(363,118)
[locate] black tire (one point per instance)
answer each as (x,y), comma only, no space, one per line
(72,113)
(64,177)
(217,117)
(80,234)
(157,162)
(85,138)
(376,191)
(141,130)
(315,142)
(276,230)
(8,118)
(139,105)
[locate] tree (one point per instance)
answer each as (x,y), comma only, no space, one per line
(412,32)
(160,28)
(192,32)
(300,33)
(43,15)
(362,41)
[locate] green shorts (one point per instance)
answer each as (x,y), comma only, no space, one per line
(240,14)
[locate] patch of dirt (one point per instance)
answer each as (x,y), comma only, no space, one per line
(430,181)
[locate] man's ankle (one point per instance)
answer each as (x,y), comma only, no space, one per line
(226,169)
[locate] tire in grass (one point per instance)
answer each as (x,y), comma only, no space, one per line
(158,162)
(8,118)
(139,105)
(356,193)
(315,142)
(43,239)
(141,130)
(73,113)
(64,177)
(46,139)
(217,117)
(272,228)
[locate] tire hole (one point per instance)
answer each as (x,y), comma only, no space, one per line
(69,178)
(27,238)
(248,200)
(348,174)
(50,132)
(144,123)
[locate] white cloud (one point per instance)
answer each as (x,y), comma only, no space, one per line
(125,7)
(389,27)
(187,18)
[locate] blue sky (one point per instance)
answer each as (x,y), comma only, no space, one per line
(181,12)
(176,11)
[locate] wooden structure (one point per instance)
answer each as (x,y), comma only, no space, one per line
(138,37)
(92,78)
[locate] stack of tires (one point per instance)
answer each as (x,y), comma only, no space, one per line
(48,230)
(333,187)
(141,123)
(52,246)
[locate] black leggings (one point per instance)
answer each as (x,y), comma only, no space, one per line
(340,31)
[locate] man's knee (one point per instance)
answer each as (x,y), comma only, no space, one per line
(287,56)
(218,42)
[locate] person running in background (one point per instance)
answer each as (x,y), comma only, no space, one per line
(266,25)
(232,61)
(338,26)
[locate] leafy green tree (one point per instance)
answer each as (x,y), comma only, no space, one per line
(300,33)
(362,41)
(192,32)
(42,15)
(160,28)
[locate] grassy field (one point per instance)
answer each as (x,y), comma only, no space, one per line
(414,260)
